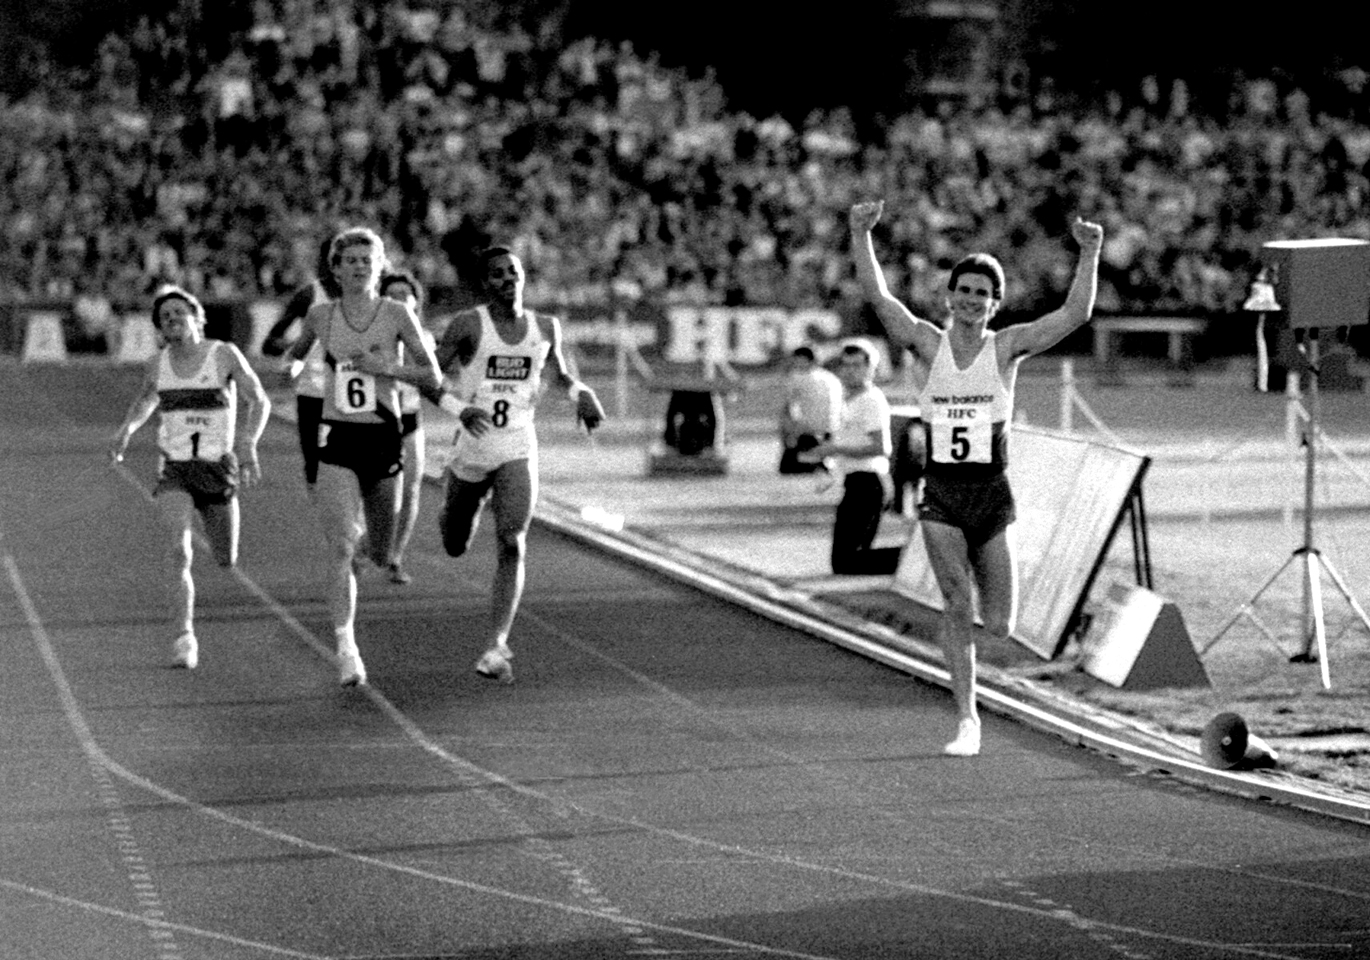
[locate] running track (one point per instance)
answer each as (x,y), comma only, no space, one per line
(670,776)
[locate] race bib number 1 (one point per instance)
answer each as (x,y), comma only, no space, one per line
(353,391)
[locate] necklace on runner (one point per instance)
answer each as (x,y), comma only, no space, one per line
(342,306)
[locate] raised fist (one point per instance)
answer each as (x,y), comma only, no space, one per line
(865,215)
(1086,234)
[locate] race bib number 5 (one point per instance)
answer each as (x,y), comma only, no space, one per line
(353,391)
(967,441)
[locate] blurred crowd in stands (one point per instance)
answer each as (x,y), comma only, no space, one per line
(219,166)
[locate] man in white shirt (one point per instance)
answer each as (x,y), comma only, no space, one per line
(860,448)
(808,415)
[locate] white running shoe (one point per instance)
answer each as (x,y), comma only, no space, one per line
(186,652)
(967,742)
(351,670)
(494,665)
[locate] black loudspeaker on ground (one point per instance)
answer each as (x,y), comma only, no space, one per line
(1228,745)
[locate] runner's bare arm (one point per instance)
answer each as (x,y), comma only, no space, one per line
(256,413)
(588,408)
(459,344)
(143,406)
(1047,331)
(459,341)
(902,326)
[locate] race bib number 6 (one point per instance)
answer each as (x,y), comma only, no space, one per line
(353,391)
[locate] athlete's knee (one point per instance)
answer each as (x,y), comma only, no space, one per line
(511,545)
(1000,623)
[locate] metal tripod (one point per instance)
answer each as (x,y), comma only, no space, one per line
(1310,558)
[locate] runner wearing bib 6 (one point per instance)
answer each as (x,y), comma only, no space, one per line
(362,334)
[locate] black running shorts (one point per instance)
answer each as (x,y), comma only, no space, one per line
(373,451)
(209,482)
(980,508)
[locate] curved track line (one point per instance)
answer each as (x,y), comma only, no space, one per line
(555,804)
(138,918)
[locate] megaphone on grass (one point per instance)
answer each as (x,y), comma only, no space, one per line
(1228,745)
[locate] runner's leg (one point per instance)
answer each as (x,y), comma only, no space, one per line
(947,553)
(515,492)
(463,501)
(411,485)
(222,522)
(380,503)
(996,577)
(338,498)
(177,510)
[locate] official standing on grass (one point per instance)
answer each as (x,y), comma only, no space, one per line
(967,508)
(194,382)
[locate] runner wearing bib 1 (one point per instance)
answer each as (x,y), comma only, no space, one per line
(196,429)
(195,383)
(966,414)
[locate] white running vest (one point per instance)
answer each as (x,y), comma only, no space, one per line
(504,379)
(353,396)
(967,412)
(198,412)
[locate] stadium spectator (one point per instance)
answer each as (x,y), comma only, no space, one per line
(400,114)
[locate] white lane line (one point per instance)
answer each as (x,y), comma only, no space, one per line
(76,719)
(559,806)
(159,925)
(152,914)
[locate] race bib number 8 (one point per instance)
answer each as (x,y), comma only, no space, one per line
(970,441)
(353,391)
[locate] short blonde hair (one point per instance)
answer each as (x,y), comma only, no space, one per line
(358,237)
